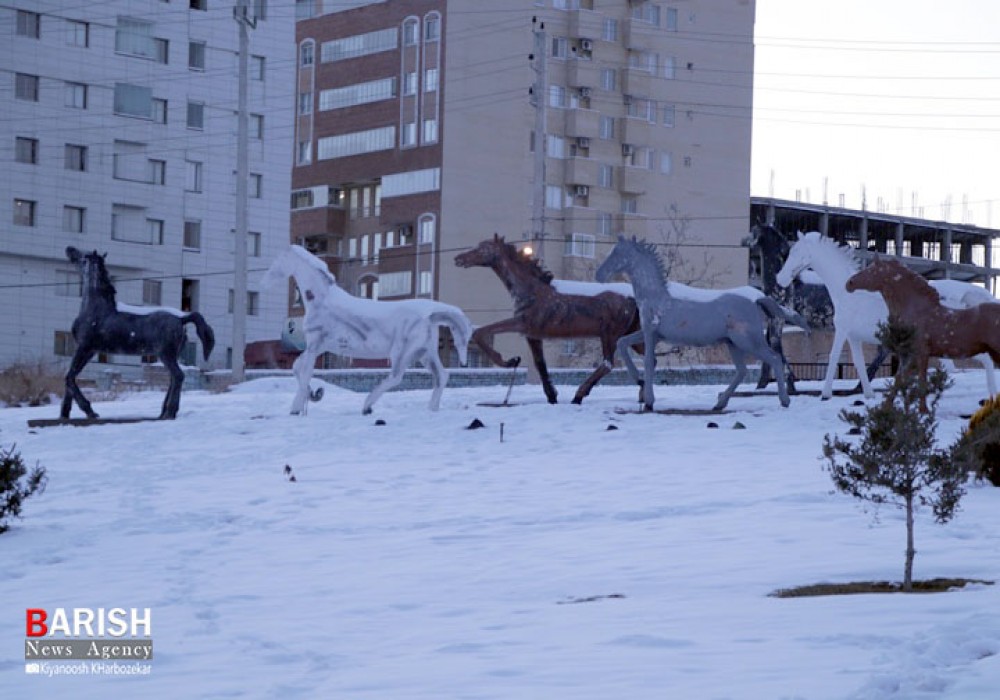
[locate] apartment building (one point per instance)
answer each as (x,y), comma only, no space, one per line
(415,139)
(119,134)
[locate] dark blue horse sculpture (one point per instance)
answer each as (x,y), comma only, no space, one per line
(101,327)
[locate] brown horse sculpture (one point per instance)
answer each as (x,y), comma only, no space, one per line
(541,312)
(940,331)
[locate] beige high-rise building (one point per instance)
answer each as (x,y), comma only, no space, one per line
(415,138)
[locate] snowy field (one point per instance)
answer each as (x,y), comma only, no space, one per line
(418,559)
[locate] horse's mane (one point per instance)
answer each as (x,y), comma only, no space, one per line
(919,286)
(532,264)
(104,283)
(649,249)
(845,252)
(313,262)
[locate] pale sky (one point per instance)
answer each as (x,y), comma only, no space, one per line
(899,96)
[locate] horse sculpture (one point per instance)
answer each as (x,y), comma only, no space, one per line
(404,331)
(102,327)
(730,319)
(542,312)
(940,331)
(856,314)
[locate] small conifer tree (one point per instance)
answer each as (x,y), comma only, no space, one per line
(17,483)
(896,462)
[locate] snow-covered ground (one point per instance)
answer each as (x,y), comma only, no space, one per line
(418,559)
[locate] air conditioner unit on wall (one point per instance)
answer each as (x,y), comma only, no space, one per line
(585,92)
(627,149)
(581,190)
(583,141)
(586,45)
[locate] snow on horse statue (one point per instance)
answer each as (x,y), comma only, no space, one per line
(403,332)
(941,331)
(730,319)
(541,311)
(103,325)
(856,314)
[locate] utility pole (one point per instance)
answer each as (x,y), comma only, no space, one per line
(241,13)
(539,94)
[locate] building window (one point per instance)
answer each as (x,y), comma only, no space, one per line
(426,228)
(24,212)
(554,197)
(410,83)
(305,102)
(154,228)
(134,37)
(192,179)
(580,245)
(303,154)
(432,27)
(430,130)
(29,24)
(666,163)
(75,157)
(358,94)
(671,24)
(253,244)
(395,284)
(360,45)
(26,87)
(669,67)
(430,80)
(555,147)
(630,205)
(64,345)
(129,161)
(302,199)
(610,32)
(73,219)
(379,139)
(253,302)
(161,50)
(605,175)
(77,33)
(196,55)
(257,67)
(669,114)
(609,79)
(408,135)
(159,110)
(69,283)
(192,235)
(257,126)
(560,47)
(76,95)
(199,4)
(410,32)
(307,54)
(605,223)
(426,282)
(259,9)
(26,150)
(557,96)
(196,115)
(607,128)
(152,292)
(255,186)
(157,172)
(133,101)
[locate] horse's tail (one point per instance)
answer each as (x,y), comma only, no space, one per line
(205,332)
(773,310)
(460,326)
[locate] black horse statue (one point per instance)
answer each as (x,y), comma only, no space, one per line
(768,251)
(101,327)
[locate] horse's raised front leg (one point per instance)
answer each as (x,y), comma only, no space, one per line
(538,354)
(303,369)
(739,361)
(624,345)
(483,338)
(172,401)
(839,338)
(73,393)
(858,357)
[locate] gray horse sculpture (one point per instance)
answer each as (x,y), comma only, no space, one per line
(733,320)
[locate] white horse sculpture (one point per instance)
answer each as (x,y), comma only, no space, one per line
(403,332)
(857,314)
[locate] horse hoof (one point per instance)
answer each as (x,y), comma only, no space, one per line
(578,400)
(514,361)
(786,403)
(366,411)
(316,395)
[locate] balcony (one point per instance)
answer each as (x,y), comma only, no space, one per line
(581,171)
(582,122)
(632,180)
(635,131)
(640,36)
(636,81)
(579,220)
(585,24)
(319,220)
(583,73)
